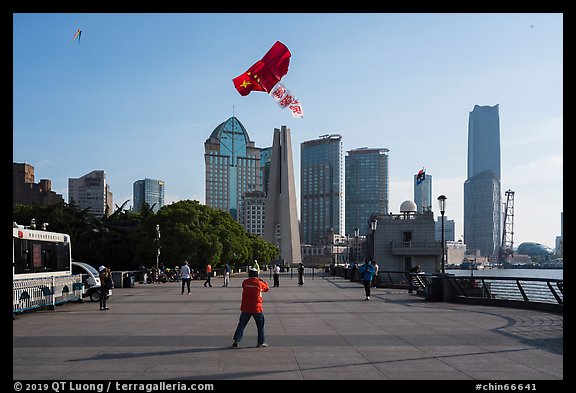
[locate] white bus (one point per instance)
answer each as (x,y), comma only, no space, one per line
(42,269)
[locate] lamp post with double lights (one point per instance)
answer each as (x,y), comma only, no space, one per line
(373,224)
(157,245)
(442,205)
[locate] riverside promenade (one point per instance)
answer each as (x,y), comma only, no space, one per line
(323,330)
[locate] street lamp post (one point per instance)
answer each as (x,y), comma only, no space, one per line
(157,245)
(373,224)
(442,204)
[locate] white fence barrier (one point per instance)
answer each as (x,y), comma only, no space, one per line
(31,293)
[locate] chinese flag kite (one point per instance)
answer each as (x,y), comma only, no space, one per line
(265,75)
(77,35)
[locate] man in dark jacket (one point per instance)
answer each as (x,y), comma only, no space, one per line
(251,307)
(366,273)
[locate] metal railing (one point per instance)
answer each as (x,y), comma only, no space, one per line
(543,293)
(522,289)
(32,293)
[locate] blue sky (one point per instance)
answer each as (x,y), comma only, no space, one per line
(140,93)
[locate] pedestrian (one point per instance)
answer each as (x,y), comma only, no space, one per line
(366,273)
(227,270)
(185,274)
(106,284)
(142,274)
(301,274)
(413,271)
(251,307)
(375,278)
(276,276)
(208,274)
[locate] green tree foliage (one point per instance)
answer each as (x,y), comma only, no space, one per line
(125,239)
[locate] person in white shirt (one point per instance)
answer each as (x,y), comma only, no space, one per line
(375,277)
(185,272)
(276,275)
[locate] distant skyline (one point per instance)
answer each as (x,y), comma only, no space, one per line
(140,93)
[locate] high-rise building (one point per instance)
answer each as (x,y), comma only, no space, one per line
(366,187)
(91,192)
(449,229)
(281,222)
(232,166)
(482,189)
(321,187)
(26,192)
(423,194)
(149,191)
(252,212)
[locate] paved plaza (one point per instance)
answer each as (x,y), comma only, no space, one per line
(323,330)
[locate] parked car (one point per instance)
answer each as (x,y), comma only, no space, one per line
(90,279)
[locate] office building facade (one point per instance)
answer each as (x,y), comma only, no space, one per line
(26,192)
(91,192)
(232,165)
(482,189)
(321,187)
(423,194)
(252,212)
(149,191)
(366,188)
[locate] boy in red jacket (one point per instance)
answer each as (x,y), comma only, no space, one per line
(251,306)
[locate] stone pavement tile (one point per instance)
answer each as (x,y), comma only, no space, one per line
(539,360)
(361,372)
(314,356)
(409,363)
(517,377)
(272,362)
(425,375)
(319,331)
(489,361)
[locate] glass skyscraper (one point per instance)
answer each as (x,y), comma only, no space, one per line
(366,187)
(321,187)
(149,191)
(232,166)
(482,190)
(423,194)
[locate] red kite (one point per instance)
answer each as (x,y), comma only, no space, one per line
(77,35)
(265,75)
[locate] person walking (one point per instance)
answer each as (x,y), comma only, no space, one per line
(106,283)
(375,277)
(208,274)
(251,307)
(185,274)
(366,273)
(276,276)
(227,270)
(301,274)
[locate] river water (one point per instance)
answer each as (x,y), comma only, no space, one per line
(535,273)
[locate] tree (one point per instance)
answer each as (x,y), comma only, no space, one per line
(125,239)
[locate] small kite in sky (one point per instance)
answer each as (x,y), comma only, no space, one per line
(265,75)
(77,35)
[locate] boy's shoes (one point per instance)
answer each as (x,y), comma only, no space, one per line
(235,344)
(263,345)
